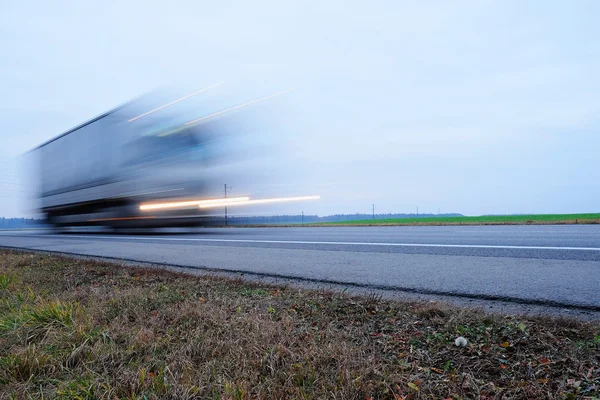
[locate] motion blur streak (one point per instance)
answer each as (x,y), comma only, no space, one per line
(238,106)
(119,219)
(177,101)
(200,203)
(260,201)
(110,171)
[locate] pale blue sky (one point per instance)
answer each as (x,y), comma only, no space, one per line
(473,107)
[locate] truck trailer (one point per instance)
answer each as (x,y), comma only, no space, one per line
(104,170)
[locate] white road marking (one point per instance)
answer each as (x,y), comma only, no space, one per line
(461,246)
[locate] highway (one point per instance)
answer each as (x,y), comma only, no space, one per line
(543,265)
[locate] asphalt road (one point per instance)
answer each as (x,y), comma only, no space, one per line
(555,266)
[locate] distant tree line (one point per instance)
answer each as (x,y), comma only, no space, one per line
(11,223)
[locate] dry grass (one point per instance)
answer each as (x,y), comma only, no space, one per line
(82,329)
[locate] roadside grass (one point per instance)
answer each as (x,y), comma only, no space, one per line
(532,219)
(83,329)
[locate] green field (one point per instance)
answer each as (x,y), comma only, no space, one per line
(482,220)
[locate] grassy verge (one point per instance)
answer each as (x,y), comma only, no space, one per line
(533,219)
(82,329)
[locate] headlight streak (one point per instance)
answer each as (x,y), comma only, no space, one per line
(192,203)
(260,201)
(225,202)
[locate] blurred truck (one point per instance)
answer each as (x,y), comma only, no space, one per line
(102,171)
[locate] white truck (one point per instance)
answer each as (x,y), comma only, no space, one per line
(103,170)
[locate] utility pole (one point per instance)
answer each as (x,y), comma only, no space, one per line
(302,217)
(417,211)
(373,211)
(225,191)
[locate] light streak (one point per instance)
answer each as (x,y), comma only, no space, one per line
(176,101)
(237,107)
(192,203)
(260,201)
